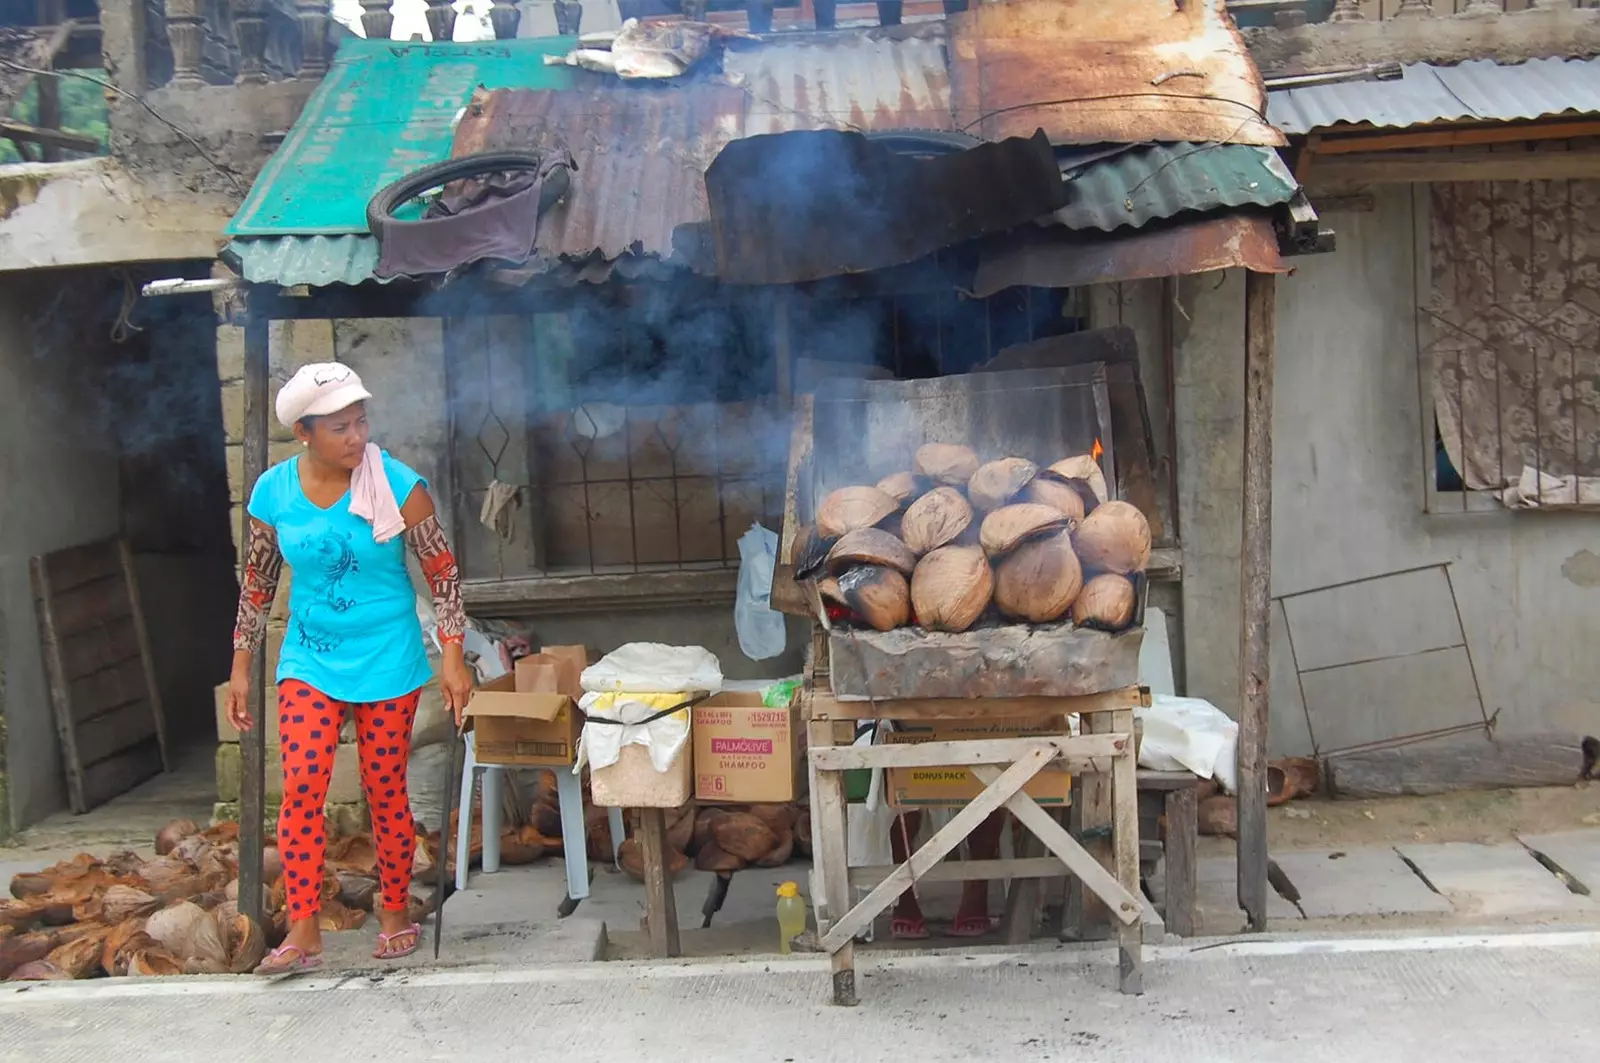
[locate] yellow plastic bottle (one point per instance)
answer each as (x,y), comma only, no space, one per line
(791,915)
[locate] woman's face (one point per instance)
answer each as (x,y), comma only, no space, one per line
(338,439)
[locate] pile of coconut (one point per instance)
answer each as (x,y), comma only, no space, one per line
(956,540)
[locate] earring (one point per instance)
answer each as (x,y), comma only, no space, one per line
(303,443)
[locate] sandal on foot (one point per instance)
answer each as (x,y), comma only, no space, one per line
(902,929)
(383,951)
(972,926)
(289,959)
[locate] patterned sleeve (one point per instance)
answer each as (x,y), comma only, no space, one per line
(263,568)
(427,541)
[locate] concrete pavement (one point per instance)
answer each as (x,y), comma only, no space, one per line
(1300,1000)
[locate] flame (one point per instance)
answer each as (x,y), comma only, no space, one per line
(1096,450)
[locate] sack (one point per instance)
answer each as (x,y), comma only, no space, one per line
(1189,734)
(762,630)
(649,667)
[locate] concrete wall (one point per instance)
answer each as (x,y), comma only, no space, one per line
(59,465)
(1384,656)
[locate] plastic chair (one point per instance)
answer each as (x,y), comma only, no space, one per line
(574,842)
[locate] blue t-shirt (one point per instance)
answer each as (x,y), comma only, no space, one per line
(353,628)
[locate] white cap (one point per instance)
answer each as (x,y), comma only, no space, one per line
(317,390)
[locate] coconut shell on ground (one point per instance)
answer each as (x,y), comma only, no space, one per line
(876,594)
(871,546)
(1107,602)
(935,519)
(946,463)
(850,508)
(1039,580)
(998,482)
(951,588)
(1114,538)
(1010,526)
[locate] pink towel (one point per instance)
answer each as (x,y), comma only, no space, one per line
(372,499)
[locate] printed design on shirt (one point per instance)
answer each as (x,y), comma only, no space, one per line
(337,561)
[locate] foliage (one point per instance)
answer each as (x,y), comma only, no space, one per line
(83,110)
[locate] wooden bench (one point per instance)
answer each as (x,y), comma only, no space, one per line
(1178,795)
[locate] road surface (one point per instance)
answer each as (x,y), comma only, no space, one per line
(1525,996)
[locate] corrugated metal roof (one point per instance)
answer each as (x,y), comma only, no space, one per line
(1156,181)
(1477,90)
(314,260)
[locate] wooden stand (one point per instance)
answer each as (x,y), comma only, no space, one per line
(1104,751)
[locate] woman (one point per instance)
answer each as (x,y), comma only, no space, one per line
(337,514)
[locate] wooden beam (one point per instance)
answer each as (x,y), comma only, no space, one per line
(1260,342)
(661,906)
(1084,753)
(1466,763)
(49,115)
(253,743)
(536,594)
(825,706)
(829,831)
(967,871)
(1381,168)
(49,139)
(1454,137)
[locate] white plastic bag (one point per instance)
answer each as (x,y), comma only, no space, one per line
(1190,734)
(760,627)
(868,825)
(650,667)
(636,721)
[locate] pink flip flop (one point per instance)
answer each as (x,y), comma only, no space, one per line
(902,929)
(383,953)
(972,926)
(279,961)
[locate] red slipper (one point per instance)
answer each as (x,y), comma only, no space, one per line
(908,929)
(972,926)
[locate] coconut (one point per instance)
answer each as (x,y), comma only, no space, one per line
(946,463)
(81,957)
(745,836)
(713,857)
(246,944)
(153,962)
(1083,467)
(935,519)
(998,482)
(904,487)
(877,594)
(1009,526)
(39,971)
(1114,538)
(871,546)
(808,552)
(1057,494)
(850,508)
(951,588)
(168,838)
(1038,581)
(780,853)
(1106,602)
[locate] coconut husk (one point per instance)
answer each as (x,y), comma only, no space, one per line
(631,857)
(222,833)
(192,850)
(1107,602)
(153,962)
(935,519)
(704,823)
(1010,526)
(904,487)
(168,837)
(356,889)
(778,817)
(271,863)
(546,816)
(19,949)
(246,944)
(712,857)
(680,831)
(334,917)
(355,852)
(186,930)
(1114,538)
(1039,580)
(121,903)
(39,971)
(1219,816)
(951,587)
(946,463)
(802,832)
(871,546)
(998,482)
(117,941)
(54,877)
(163,874)
(514,851)
(850,508)
(781,852)
(1083,467)
(80,958)
(31,884)
(1059,495)
(745,836)
(878,595)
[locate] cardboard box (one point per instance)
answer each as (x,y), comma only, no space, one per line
(955,786)
(745,752)
(528,728)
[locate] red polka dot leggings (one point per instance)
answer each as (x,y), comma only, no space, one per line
(308,728)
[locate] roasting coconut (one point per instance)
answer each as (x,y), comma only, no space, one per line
(998,482)
(1083,467)
(1057,494)
(1009,526)
(904,487)
(877,594)
(950,588)
(850,508)
(1106,602)
(935,519)
(947,463)
(1038,581)
(1114,538)
(871,546)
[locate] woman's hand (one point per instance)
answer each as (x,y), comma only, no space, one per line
(456,681)
(239,695)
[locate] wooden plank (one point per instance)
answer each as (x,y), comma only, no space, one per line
(1022,898)
(99,649)
(56,673)
(107,734)
(118,774)
(1001,785)
(1255,578)
(1030,867)
(786,596)
(102,691)
(829,830)
(1380,168)
(1125,846)
(1122,902)
(1084,753)
(253,744)
(98,602)
(827,707)
(1167,780)
(152,689)
(12,129)
(1182,860)
(661,906)
(1085,918)
(1449,137)
(599,593)
(73,567)
(1449,766)
(49,112)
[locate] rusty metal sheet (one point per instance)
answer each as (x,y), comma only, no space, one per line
(1055,257)
(1088,71)
(641,154)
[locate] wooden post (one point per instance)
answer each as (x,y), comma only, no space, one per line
(253,743)
(829,829)
(661,906)
(1260,326)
